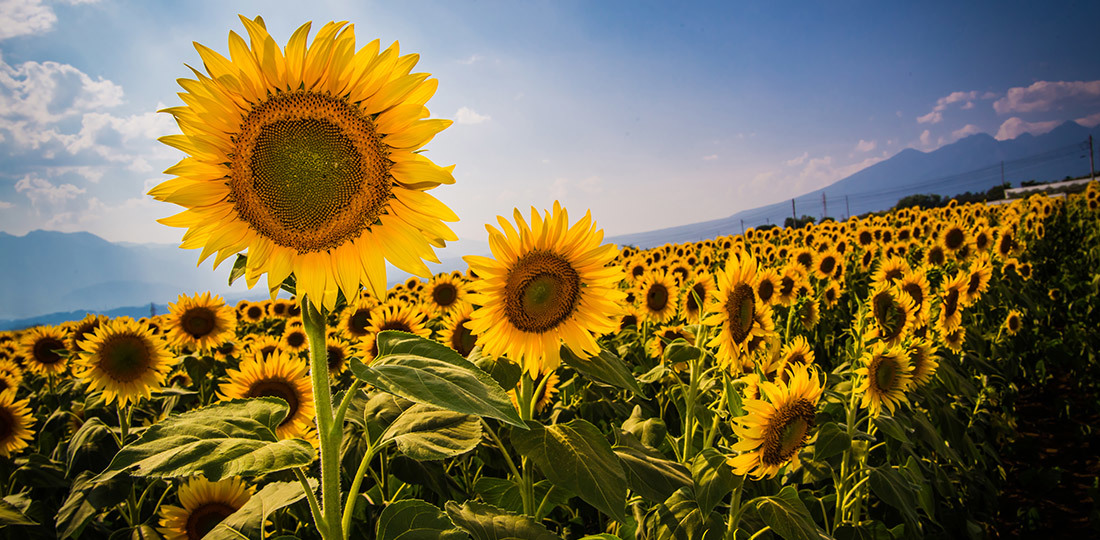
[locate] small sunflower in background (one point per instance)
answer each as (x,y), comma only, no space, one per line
(338,351)
(549,283)
(977,280)
(695,296)
(664,335)
(16,423)
(1014,321)
(124,360)
(935,256)
(767,286)
(657,294)
(884,377)
(391,316)
(44,350)
(252,312)
(809,314)
(263,346)
(922,356)
(279,375)
(546,387)
(776,428)
(444,294)
(827,264)
(294,339)
(891,269)
(951,303)
(830,295)
(455,334)
(82,329)
(915,284)
(200,322)
(205,505)
(354,320)
(955,339)
(11,376)
(307,157)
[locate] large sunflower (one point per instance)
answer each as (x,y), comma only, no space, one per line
(884,378)
(307,157)
(124,360)
(774,430)
(200,322)
(736,308)
(15,424)
(44,351)
(550,283)
(205,505)
(279,375)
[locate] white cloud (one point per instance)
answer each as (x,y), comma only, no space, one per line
(1014,127)
(798,160)
(41,192)
(40,93)
(471,59)
(23,17)
(710,157)
(933,117)
(1089,121)
(466,115)
(819,172)
(967,106)
(865,146)
(965,131)
(6,204)
(926,138)
(1047,95)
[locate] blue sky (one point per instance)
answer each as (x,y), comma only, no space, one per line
(651,114)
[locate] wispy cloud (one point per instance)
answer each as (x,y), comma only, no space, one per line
(466,115)
(6,204)
(1014,127)
(23,17)
(965,131)
(473,58)
(42,193)
(1046,95)
(710,157)
(865,146)
(966,98)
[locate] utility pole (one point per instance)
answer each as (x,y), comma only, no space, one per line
(742,227)
(152,310)
(793,213)
(847,209)
(824,206)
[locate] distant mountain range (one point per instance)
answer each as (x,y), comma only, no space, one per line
(68,274)
(970,164)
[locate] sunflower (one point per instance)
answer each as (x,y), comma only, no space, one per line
(546,387)
(831,294)
(922,356)
(15,424)
(445,293)
(294,339)
(658,294)
(954,339)
(890,270)
(735,307)
(977,280)
(264,346)
(884,378)
(791,282)
(665,335)
(695,296)
(205,505)
(455,334)
(549,283)
(892,313)
(1013,322)
(1024,269)
(338,352)
(767,286)
(1006,244)
(796,352)
(10,376)
(43,349)
(935,256)
(774,430)
(804,258)
(252,312)
(279,375)
(951,302)
(808,314)
(82,329)
(391,316)
(355,318)
(309,158)
(124,360)
(200,322)
(915,284)
(826,264)
(630,316)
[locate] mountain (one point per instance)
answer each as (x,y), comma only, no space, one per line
(972,164)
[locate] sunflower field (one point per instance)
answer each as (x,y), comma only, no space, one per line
(852,379)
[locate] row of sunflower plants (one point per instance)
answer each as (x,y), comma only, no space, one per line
(842,380)
(780,390)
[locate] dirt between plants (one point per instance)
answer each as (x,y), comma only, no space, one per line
(1053,466)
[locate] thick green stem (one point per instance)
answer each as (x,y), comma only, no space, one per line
(356,484)
(330,435)
(527,486)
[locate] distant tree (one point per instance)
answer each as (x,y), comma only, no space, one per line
(922,200)
(765,226)
(798,223)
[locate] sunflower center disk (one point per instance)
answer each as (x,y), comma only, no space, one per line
(740,309)
(787,431)
(197,322)
(309,171)
(204,518)
(125,358)
(462,340)
(884,375)
(888,316)
(276,388)
(542,291)
(45,351)
(656,298)
(7,424)
(444,294)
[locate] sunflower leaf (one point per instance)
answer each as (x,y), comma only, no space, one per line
(576,456)
(831,441)
(239,266)
(428,372)
(487,522)
(248,520)
(680,518)
(786,514)
(231,438)
(714,478)
(427,433)
(413,519)
(654,479)
(11,515)
(606,368)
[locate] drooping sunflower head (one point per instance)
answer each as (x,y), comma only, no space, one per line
(922,356)
(776,428)
(280,375)
(455,334)
(124,360)
(205,505)
(307,157)
(549,283)
(737,310)
(44,349)
(892,313)
(884,378)
(695,296)
(200,322)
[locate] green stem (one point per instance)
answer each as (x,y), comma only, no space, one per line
(356,484)
(314,508)
(527,486)
(330,435)
(342,410)
(734,519)
(124,421)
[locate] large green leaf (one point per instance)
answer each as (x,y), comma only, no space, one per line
(248,520)
(714,478)
(233,438)
(486,522)
(576,456)
(11,515)
(653,478)
(426,433)
(413,519)
(605,368)
(831,441)
(650,431)
(787,515)
(680,518)
(504,371)
(425,371)
(86,500)
(895,490)
(505,493)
